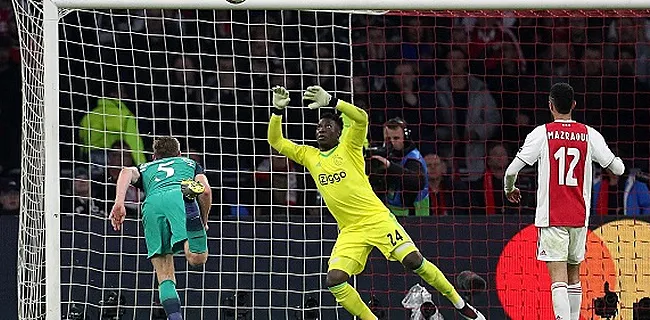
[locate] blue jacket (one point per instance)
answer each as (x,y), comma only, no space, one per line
(636,197)
(421,204)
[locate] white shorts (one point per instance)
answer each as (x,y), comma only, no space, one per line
(561,244)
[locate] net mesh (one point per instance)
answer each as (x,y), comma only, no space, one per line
(471,85)
(31,242)
(205,77)
(128,76)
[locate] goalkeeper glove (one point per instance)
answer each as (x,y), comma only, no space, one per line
(280,97)
(319,96)
(191,189)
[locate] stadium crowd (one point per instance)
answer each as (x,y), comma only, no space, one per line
(469,89)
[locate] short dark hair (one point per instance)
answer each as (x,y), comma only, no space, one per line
(395,123)
(399,123)
(333,117)
(562,97)
(166,147)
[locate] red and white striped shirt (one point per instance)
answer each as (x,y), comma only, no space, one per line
(565,151)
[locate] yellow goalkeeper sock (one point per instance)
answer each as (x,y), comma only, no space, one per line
(433,276)
(351,301)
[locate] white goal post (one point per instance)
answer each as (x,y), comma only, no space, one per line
(39,243)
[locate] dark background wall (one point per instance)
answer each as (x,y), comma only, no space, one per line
(273,274)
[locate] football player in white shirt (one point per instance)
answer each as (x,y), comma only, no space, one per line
(564,151)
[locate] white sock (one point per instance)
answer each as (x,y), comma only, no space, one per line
(560,301)
(575,299)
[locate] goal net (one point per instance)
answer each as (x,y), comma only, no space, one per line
(203,76)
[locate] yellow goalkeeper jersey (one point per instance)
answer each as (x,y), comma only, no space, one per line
(339,173)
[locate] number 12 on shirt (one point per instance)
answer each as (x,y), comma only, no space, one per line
(567,177)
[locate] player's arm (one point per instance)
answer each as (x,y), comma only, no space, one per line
(128,176)
(204,199)
(358,130)
(274,134)
(528,154)
(603,154)
(510,178)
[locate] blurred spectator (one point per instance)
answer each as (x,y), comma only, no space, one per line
(185,81)
(418,45)
(113,28)
(592,61)
(633,33)
(416,39)
(558,62)
(376,58)
(614,196)
(9,196)
(486,194)
(403,171)
(446,196)
(109,122)
(467,115)
(405,100)
(82,199)
(514,91)
(486,40)
(622,117)
(276,183)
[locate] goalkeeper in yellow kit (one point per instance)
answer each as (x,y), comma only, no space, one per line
(338,168)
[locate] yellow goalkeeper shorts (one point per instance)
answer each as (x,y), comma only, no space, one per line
(355,243)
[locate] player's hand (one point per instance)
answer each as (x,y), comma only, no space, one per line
(118,213)
(318,95)
(191,188)
(514,196)
(280,97)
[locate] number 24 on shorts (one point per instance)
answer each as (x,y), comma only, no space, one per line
(394,239)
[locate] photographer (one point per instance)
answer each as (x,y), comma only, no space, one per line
(401,171)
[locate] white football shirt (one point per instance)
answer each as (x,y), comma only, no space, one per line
(564,150)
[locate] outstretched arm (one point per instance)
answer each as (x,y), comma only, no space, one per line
(358,130)
(128,176)
(281,144)
(274,134)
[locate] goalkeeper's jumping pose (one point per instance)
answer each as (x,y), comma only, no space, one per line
(364,222)
(170,214)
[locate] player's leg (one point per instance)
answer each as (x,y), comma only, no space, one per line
(158,235)
(577,246)
(194,259)
(395,243)
(164,267)
(415,262)
(574,290)
(349,250)
(346,295)
(553,248)
(559,289)
(188,233)
(197,240)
